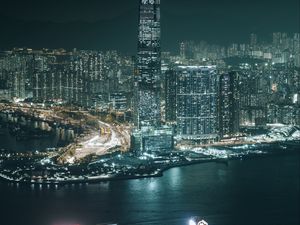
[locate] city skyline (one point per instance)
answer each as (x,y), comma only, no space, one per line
(105,23)
(149,112)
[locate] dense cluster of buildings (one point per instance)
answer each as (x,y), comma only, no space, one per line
(206,103)
(205,93)
(84,78)
(283,48)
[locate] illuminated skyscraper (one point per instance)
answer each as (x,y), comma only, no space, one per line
(170,95)
(182,50)
(147,80)
(196,103)
(229,104)
(149,135)
(253,40)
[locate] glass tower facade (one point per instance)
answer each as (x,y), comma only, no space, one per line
(148,67)
(197,103)
(149,135)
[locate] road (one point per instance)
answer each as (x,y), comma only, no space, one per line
(100,144)
(93,142)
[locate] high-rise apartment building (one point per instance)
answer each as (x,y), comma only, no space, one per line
(13,75)
(197,103)
(170,96)
(253,40)
(229,104)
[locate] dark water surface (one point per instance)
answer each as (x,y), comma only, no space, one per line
(260,191)
(9,142)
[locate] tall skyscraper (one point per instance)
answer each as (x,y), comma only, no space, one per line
(149,135)
(253,40)
(148,71)
(229,104)
(196,103)
(13,74)
(170,95)
(182,50)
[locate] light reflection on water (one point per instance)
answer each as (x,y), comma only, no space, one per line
(9,142)
(265,187)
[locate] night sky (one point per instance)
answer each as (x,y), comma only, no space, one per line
(112,24)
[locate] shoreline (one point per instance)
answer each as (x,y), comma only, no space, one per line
(156,168)
(160,172)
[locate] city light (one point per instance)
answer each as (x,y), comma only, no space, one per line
(84,107)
